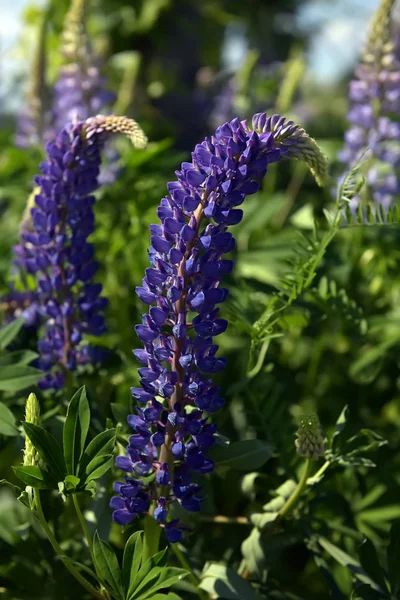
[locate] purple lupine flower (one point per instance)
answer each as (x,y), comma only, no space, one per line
(34,124)
(375,110)
(81,89)
(171,430)
(56,251)
(16,304)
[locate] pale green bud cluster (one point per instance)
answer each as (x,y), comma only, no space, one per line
(310,441)
(32,415)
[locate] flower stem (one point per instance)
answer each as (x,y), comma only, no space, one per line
(58,550)
(151,537)
(82,522)
(293,499)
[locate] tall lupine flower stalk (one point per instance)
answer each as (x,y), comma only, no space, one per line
(80,90)
(172,430)
(375,110)
(55,248)
(34,124)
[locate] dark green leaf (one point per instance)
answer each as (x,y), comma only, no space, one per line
(132,558)
(107,566)
(19,357)
(365,592)
(393,554)
(98,466)
(223,582)
(7,421)
(102,444)
(348,561)
(9,332)
(370,563)
(35,477)
(245,455)
(48,449)
(339,426)
(76,428)
(158,578)
(14,378)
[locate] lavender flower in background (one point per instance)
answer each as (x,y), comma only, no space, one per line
(55,249)
(23,305)
(34,125)
(375,110)
(172,431)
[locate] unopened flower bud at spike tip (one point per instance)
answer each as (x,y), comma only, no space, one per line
(113,124)
(310,441)
(32,415)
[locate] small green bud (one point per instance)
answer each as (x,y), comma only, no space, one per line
(32,415)
(310,442)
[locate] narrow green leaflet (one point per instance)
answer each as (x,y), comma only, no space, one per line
(158,579)
(15,378)
(222,582)
(7,421)
(135,582)
(48,449)
(19,357)
(370,563)
(393,554)
(107,566)
(9,332)
(98,466)
(76,428)
(103,444)
(35,477)
(245,455)
(348,561)
(132,558)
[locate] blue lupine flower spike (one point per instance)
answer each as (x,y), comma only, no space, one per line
(55,248)
(172,430)
(374,112)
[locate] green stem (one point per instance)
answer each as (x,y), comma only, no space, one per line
(85,530)
(293,499)
(58,550)
(185,564)
(151,538)
(318,474)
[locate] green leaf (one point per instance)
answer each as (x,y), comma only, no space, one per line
(223,582)
(169,596)
(107,566)
(132,558)
(245,455)
(159,559)
(370,563)
(9,332)
(253,550)
(339,426)
(71,482)
(7,421)
(76,428)
(32,475)
(98,466)
(393,553)
(19,357)
(157,579)
(48,449)
(14,378)
(102,444)
(365,592)
(348,561)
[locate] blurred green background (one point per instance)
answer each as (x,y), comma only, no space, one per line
(180,68)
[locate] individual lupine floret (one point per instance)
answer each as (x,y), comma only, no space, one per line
(172,431)
(56,251)
(375,110)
